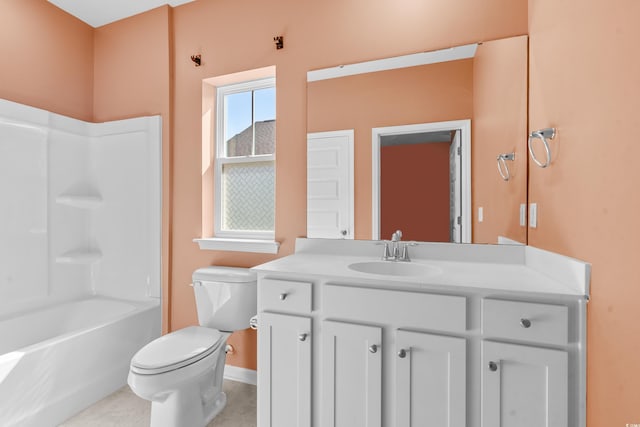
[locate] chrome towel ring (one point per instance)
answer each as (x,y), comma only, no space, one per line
(503,167)
(545,135)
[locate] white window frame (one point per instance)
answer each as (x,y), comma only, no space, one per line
(220,159)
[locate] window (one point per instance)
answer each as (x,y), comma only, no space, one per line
(245,160)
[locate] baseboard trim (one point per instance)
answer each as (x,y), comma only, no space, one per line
(243,375)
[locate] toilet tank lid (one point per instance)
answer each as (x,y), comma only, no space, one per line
(224,274)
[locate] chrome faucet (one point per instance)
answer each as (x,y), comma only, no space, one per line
(394,250)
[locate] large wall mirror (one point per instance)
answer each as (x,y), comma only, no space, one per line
(435,148)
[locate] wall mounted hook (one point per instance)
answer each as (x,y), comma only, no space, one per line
(197,60)
(279,40)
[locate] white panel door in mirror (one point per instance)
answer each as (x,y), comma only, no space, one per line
(330,184)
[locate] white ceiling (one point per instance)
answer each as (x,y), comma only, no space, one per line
(100,12)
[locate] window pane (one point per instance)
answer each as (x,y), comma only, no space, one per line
(238,132)
(248,196)
(265,120)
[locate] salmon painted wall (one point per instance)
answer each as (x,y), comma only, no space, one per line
(142,66)
(424,94)
(584,80)
(316,35)
(499,125)
(422,212)
(133,78)
(47,58)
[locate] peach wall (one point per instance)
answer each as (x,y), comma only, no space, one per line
(148,56)
(423,212)
(499,125)
(584,80)
(424,94)
(235,36)
(133,78)
(142,66)
(47,58)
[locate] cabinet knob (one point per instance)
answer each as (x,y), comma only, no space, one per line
(402,353)
(373,349)
(302,337)
(283,296)
(343,232)
(525,323)
(493,366)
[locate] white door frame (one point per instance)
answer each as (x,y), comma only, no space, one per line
(464,126)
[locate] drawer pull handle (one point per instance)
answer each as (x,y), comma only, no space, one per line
(402,353)
(525,323)
(283,296)
(302,337)
(493,366)
(373,349)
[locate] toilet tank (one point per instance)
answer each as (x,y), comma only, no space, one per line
(226,297)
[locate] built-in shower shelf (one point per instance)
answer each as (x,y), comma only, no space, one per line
(83,201)
(79,256)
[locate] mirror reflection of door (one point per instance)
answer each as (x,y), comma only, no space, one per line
(420,186)
(330,184)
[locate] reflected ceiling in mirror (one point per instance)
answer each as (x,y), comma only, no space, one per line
(489,88)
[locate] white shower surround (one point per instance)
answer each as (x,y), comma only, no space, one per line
(80,218)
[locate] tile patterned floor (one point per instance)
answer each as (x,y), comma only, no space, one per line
(124,409)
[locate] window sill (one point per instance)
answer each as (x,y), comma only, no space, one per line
(238,245)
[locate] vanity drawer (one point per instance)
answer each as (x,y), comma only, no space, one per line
(285,296)
(403,309)
(524,321)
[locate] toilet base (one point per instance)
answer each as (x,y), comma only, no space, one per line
(185,408)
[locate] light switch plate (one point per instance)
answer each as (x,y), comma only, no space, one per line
(480,214)
(533,215)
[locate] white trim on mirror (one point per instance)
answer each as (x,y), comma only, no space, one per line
(411,60)
(464,126)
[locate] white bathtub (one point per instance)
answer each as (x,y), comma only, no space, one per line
(58,360)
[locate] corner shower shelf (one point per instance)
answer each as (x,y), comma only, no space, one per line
(80,256)
(83,201)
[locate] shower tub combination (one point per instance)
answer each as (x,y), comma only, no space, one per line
(79,259)
(58,360)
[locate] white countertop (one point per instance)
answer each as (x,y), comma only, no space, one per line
(489,267)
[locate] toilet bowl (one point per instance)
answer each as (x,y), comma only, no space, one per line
(181,373)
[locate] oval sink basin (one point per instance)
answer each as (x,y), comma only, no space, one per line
(389,268)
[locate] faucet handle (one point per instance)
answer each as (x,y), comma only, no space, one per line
(397,236)
(404,254)
(386,254)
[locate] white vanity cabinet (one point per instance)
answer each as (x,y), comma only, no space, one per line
(363,338)
(351,374)
(431,381)
(424,373)
(525,385)
(284,356)
(477,344)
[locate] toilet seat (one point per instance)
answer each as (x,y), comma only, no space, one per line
(176,350)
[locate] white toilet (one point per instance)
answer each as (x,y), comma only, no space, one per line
(181,373)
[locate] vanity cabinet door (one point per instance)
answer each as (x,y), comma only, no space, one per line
(351,375)
(284,371)
(523,386)
(431,380)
